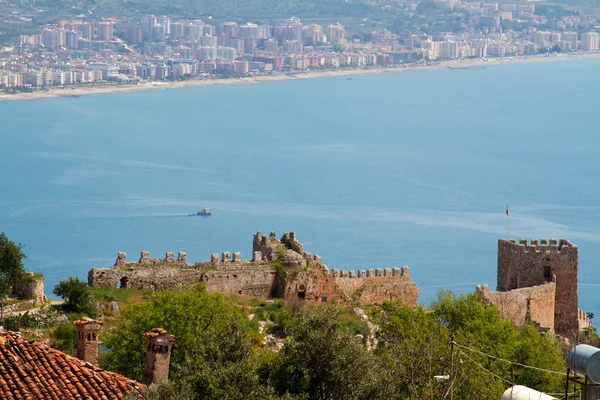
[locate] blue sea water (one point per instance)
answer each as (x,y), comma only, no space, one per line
(411,168)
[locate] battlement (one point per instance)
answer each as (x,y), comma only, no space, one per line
(526,264)
(225,257)
(228,273)
(395,272)
(542,245)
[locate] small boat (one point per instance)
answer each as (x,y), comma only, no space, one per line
(204,211)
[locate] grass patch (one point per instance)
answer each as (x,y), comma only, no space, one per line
(31,278)
(351,323)
(123,297)
(248,301)
(8,302)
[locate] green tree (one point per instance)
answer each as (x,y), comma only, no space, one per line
(64,337)
(78,296)
(482,327)
(11,267)
(414,347)
(318,362)
(212,358)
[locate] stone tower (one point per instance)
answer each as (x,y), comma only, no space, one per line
(158,355)
(87,339)
(525,264)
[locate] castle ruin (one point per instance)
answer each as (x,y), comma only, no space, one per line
(278,268)
(538,281)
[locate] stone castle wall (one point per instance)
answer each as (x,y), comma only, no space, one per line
(350,282)
(227,274)
(304,278)
(524,264)
(33,288)
(376,294)
(536,303)
(235,280)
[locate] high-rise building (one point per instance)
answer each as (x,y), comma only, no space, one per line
(192,31)
(226,53)
(165,22)
(105,31)
(335,33)
(238,44)
(292,46)
(449,49)
(162,71)
(240,67)
(590,41)
(229,30)
(249,45)
(133,34)
(208,30)
(184,52)
(570,37)
(249,30)
(206,53)
(208,41)
(271,46)
(50,38)
(85,30)
(158,33)
(71,39)
(147,23)
(177,31)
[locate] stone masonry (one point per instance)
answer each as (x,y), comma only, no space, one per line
(528,274)
(534,303)
(278,268)
(31,288)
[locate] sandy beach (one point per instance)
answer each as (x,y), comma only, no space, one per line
(77,91)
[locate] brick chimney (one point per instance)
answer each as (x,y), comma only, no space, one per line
(87,339)
(158,355)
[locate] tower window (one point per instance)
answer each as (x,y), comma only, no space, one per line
(547,273)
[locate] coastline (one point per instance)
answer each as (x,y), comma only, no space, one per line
(453,64)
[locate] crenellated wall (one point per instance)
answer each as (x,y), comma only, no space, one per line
(526,264)
(304,277)
(350,282)
(171,272)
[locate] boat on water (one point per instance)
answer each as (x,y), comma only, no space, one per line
(204,211)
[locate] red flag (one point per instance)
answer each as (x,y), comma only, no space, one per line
(507,209)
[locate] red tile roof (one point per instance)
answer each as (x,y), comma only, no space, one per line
(30,370)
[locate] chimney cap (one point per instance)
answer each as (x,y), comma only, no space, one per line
(159,332)
(85,321)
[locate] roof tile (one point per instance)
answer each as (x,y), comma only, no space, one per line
(30,370)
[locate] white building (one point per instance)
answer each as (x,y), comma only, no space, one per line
(590,41)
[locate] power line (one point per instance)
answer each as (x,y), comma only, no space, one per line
(485,369)
(510,362)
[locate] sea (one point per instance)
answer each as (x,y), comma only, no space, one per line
(401,168)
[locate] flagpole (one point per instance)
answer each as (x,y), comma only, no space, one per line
(507,223)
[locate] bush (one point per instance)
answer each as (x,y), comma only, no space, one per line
(78,296)
(64,338)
